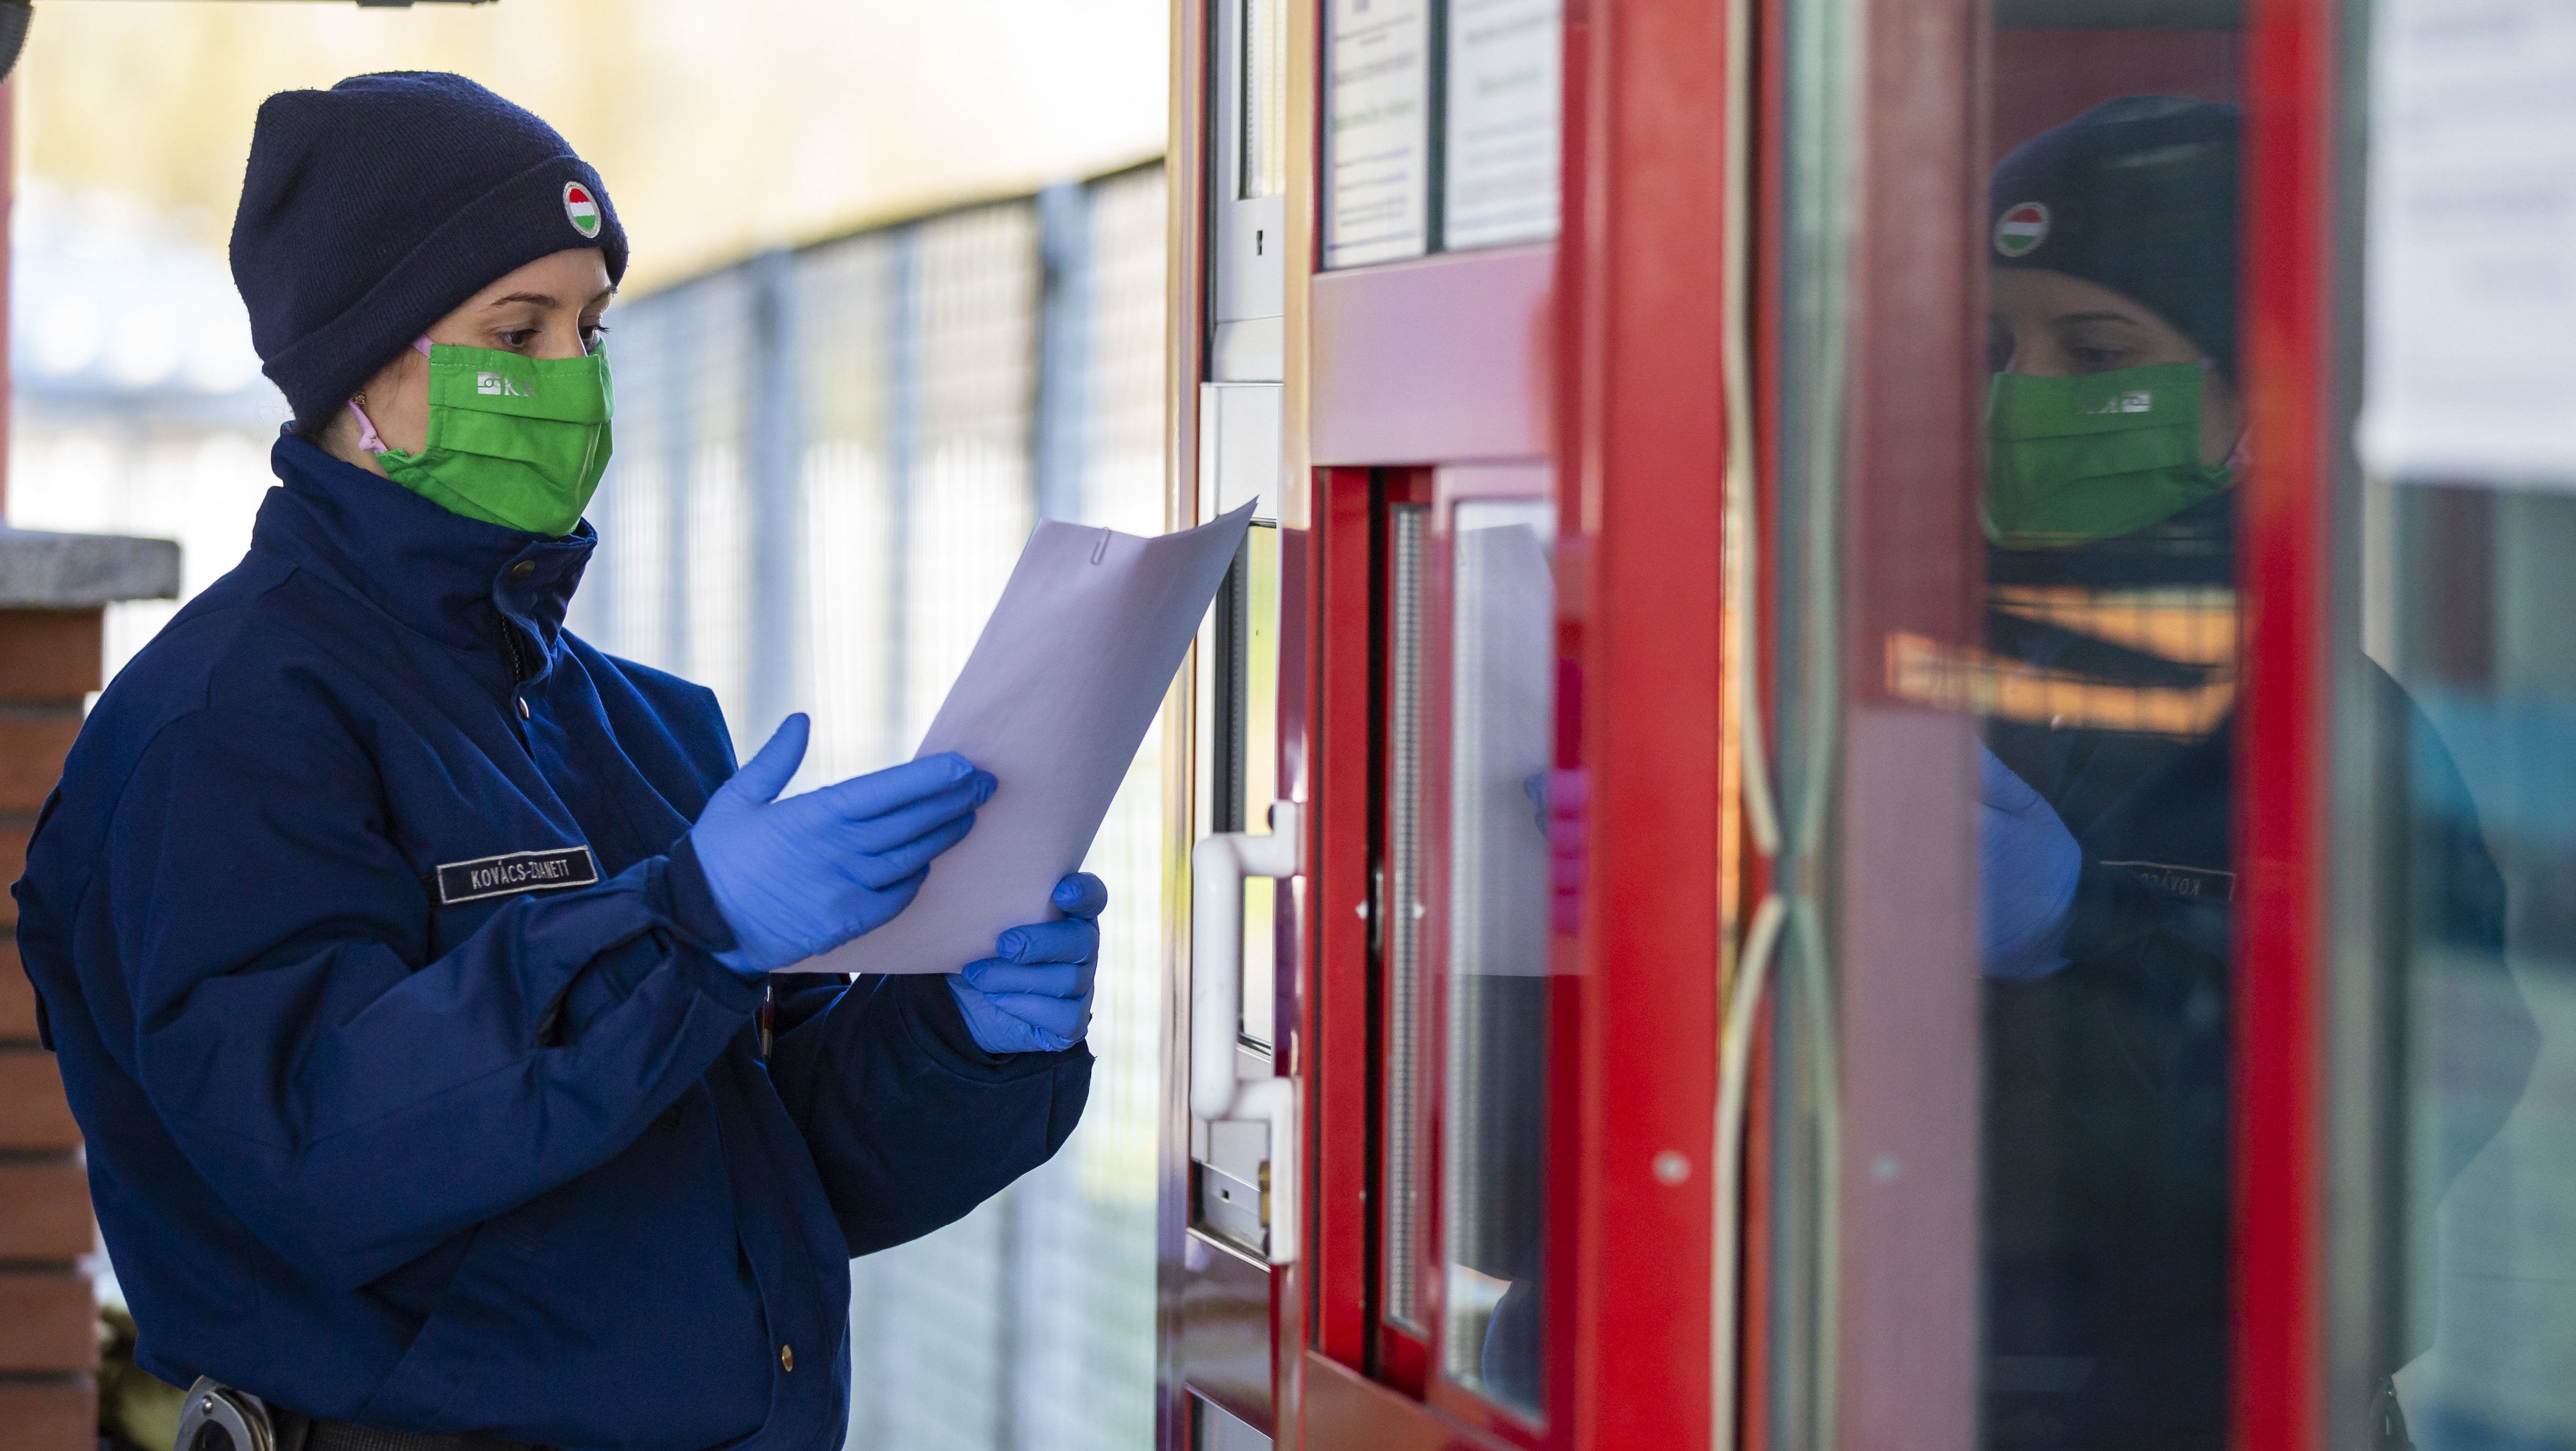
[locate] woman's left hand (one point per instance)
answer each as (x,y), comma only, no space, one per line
(1035,997)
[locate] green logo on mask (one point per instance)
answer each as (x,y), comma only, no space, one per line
(515,441)
(2074,460)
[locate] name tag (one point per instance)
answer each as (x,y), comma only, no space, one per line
(518,871)
(2205,883)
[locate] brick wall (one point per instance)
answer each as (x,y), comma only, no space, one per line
(49,658)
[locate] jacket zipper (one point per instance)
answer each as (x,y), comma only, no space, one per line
(518,672)
(518,666)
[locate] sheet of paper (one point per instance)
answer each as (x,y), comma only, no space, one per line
(2470,291)
(1055,700)
(1499,159)
(1377,131)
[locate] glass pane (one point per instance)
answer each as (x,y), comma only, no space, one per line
(2475,719)
(1500,644)
(1265,98)
(2107,682)
(2468,733)
(1258,768)
(2006,677)
(1246,750)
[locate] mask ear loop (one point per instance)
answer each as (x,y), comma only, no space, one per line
(367,438)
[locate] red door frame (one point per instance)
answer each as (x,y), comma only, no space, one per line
(1638,443)
(1641,456)
(2291,250)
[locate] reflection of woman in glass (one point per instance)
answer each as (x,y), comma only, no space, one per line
(2115,436)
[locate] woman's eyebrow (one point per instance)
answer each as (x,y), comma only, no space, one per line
(547,299)
(2068,317)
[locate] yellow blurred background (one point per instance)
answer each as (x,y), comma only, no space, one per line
(721,126)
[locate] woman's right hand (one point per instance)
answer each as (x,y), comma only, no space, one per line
(2028,868)
(802,876)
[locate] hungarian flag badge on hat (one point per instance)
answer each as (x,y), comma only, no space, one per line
(582,208)
(2019,232)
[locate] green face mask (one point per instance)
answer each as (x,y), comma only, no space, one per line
(2074,460)
(515,441)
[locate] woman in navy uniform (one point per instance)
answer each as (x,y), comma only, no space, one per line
(2116,437)
(405,956)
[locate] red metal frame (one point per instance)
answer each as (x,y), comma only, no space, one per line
(2285,532)
(1364,1382)
(1350,1145)
(1341,1106)
(1641,451)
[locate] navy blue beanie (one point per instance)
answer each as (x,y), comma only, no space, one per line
(2138,195)
(377,207)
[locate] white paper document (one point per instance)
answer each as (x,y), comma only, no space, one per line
(2470,302)
(1055,700)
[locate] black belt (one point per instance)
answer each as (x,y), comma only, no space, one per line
(216,1418)
(305,1433)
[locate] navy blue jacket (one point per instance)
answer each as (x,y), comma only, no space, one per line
(380,1146)
(2107,1084)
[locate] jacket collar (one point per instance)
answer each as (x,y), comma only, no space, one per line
(449,577)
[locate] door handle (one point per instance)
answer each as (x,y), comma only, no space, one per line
(1218,865)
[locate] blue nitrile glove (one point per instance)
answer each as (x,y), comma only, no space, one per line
(1036,996)
(2028,862)
(804,875)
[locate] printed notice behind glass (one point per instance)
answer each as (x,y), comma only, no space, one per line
(1377,131)
(1500,151)
(2471,305)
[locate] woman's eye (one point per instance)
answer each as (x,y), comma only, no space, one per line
(2097,360)
(593,337)
(518,339)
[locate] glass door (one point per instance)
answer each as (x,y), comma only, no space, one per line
(2454,713)
(1458,1194)
(1519,569)
(1472,800)
(2008,440)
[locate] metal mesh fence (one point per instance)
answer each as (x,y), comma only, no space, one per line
(1085,1224)
(827,462)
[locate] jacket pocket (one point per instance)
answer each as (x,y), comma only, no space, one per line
(454,1345)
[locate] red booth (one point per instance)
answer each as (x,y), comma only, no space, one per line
(1682,648)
